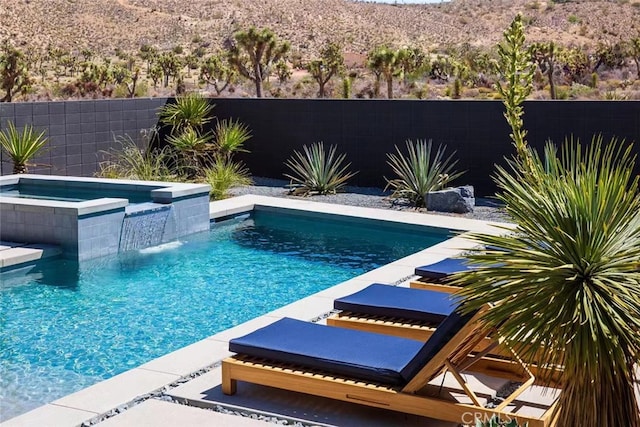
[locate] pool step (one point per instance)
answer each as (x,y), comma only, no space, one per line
(13,253)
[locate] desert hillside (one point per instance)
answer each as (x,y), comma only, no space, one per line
(103,25)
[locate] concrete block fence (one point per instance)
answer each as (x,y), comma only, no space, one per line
(365,130)
(79,131)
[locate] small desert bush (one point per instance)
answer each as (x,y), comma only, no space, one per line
(223,175)
(142,163)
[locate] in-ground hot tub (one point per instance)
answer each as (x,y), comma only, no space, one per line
(92,217)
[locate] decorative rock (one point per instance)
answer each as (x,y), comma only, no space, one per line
(457,200)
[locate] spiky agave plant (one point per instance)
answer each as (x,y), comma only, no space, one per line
(317,170)
(231,136)
(21,146)
(419,171)
(188,111)
(568,278)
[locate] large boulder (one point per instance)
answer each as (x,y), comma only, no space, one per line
(457,200)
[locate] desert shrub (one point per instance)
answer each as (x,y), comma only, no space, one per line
(122,90)
(419,171)
(144,163)
(223,175)
(578,90)
(563,92)
(318,171)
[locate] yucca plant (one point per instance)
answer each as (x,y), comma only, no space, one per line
(21,146)
(224,174)
(420,172)
(317,170)
(231,136)
(568,277)
(133,162)
(189,111)
(191,150)
(189,140)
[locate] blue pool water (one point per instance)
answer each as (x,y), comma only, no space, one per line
(65,326)
(71,194)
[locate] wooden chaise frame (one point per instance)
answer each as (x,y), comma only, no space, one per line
(455,357)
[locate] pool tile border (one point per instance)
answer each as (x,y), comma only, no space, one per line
(165,370)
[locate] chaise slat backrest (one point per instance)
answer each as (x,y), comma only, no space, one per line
(453,340)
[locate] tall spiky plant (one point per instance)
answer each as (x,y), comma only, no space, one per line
(189,111)
(568,277)
(319,171)
(231,136)
(420,171)
(516,72)
(21,146)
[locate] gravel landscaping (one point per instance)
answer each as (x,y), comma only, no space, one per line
(485,209)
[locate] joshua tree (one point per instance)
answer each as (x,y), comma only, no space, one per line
(384,62)
(567,277)
(544,55)
(149,54)
(216,71)
(14,76)
(411,61)
(170,65)
(254,52)
(330,63)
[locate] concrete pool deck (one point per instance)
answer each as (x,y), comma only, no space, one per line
(144,391)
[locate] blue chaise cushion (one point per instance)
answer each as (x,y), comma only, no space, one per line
(365,355)
(442,269)
(394,301)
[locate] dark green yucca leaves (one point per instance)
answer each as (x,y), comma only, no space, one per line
(189,140)
(318,171)
(189,111)
(420,172)
(568,278)
(231,136)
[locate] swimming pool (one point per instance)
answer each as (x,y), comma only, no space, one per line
(67,325)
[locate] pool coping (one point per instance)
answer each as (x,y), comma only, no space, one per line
(83,406)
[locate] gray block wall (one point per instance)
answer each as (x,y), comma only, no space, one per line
(191,215)
(79,131)
(85,236)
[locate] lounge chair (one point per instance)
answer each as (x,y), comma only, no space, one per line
(377,370)
(392,310)
(434,276)
(402,312)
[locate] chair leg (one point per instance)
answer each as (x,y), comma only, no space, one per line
(229,385)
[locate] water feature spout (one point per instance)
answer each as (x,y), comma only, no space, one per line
(144,225)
